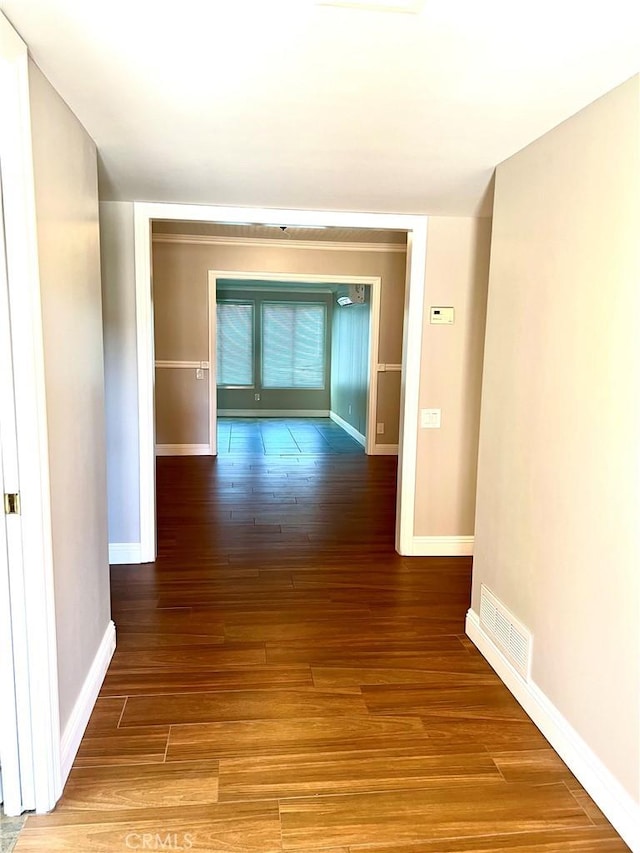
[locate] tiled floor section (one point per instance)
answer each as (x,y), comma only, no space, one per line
(283,437)
(9,829)
(285,682)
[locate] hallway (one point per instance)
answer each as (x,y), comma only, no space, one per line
(285,681)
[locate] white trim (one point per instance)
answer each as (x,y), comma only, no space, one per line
(190,365)
(85,702)
(274,216)
(301,278)
(442,546)
(212,340)
(372,367)
(124,553)
(273,413)
(384,450)
(35,644)
(416,227)
(410,386)
(183,450)
(389,368)
(616,803)
(262,242)
(146,383)
(352,431)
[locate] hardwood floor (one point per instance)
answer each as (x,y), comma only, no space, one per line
(285,682)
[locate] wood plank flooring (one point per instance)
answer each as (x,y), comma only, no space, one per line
(285,682)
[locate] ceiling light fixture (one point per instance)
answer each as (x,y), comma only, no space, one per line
(411,7)
(290,227)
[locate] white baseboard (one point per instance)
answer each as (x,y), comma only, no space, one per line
(273,413)
(83,707)
(616,803)
(441,546)
(183,450)
(384,450)
(351,430)
(121,553)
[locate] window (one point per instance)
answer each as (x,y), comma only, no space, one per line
(293,345)
(234,350)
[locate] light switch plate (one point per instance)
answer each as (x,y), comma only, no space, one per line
(430,418)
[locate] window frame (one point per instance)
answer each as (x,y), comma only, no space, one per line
(252,304)
(296,304)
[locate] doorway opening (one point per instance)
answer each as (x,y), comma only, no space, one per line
(291,358)
(198,219)
(306,347)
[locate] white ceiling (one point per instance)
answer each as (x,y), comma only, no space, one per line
(286,103)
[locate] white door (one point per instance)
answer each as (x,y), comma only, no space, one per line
(15,712)
(29,702)
(10,788)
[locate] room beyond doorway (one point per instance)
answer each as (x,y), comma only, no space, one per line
(284,437)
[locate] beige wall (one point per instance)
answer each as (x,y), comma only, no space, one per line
(557,531)
(451,375)
(65,167)
(182,407)
(181,313)
(120,367)
(388,405)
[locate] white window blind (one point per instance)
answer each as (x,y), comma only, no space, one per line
(234,344)
(293,345)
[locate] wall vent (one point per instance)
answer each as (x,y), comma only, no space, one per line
(510,635)
(413,7)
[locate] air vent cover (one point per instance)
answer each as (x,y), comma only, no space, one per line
(407,6)
(510,635)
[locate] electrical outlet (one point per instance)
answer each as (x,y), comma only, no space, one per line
(199,373)
(380,429)
(256,397)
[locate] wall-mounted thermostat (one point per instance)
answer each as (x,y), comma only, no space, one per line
(442,316)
